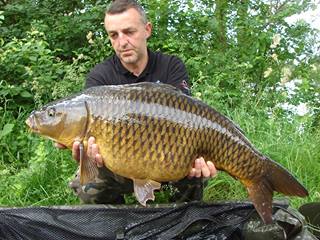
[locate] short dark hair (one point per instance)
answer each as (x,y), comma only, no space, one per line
(120,6)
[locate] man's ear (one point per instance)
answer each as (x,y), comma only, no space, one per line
(148,28)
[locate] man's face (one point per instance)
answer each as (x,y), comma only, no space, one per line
(128,35)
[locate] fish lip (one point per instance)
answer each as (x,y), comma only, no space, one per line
(32,124)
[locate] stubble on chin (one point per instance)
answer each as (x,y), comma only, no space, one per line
(128,59)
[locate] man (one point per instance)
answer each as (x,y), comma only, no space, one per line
(128,30)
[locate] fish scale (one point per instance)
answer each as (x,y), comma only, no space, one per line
(152,133)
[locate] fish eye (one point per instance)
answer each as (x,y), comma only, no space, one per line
(51,112)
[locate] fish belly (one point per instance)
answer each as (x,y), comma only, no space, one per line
(146,148)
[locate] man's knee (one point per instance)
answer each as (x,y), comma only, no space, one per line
(107,188)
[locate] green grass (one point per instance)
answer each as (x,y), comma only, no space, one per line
(44,180)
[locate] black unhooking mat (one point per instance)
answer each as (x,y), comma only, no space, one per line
(195,220)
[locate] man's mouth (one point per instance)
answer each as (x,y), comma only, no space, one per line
(126,52)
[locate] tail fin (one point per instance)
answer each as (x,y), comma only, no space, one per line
(282,181)
(276,178)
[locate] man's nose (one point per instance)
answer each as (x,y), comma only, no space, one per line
(123,39)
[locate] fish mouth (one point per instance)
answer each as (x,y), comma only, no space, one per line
(32,124)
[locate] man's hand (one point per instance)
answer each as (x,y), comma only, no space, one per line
(200,167)
(92,152)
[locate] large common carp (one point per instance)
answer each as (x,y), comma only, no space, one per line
(152,133)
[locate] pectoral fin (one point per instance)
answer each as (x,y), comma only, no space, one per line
(143,190)
(88,167)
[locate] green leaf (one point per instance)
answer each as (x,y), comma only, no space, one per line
(26,94)
(7,129)
(33,58)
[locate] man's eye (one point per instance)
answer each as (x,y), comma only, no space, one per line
(113,36)
(130,32)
